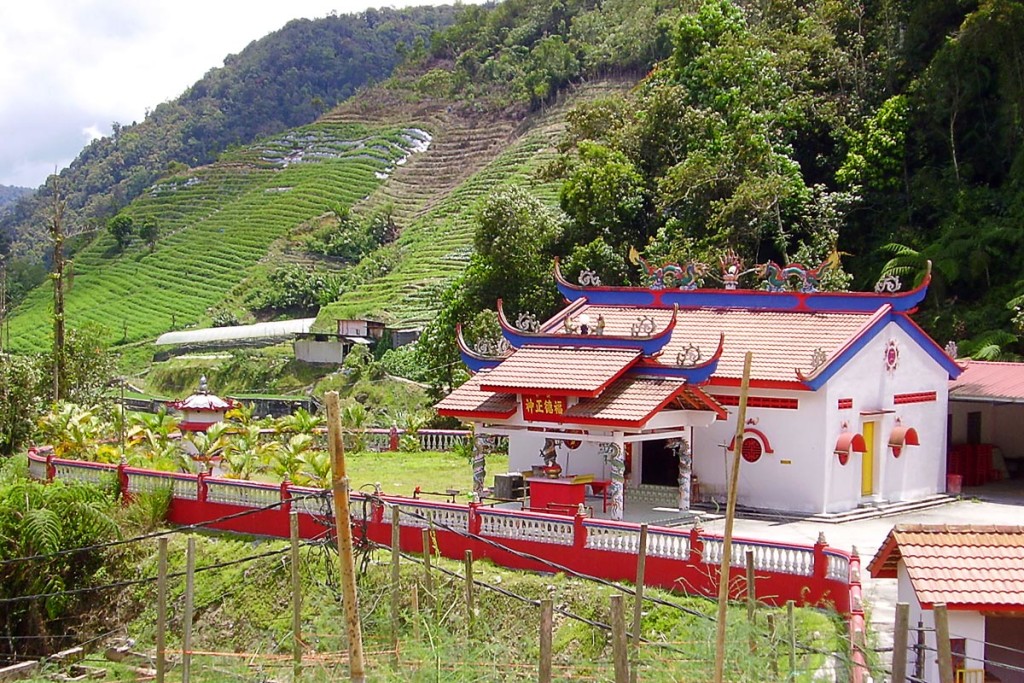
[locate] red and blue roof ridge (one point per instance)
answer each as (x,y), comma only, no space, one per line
(810,302)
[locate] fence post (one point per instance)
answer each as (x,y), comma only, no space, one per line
(161,608)
(579,532)
(696,544)
(293,520)
(186,640)
(201,490)
(791,634)
(942,644)
(751,597)
(393,438)
(546,624)
(286,496)
(428,580)
(619,653)
(51,469)
(395,573)
(469,590)
(919,651)
(899,643)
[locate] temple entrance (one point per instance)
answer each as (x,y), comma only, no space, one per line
(660,465)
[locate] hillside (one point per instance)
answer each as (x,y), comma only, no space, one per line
(278,82)
(10,194)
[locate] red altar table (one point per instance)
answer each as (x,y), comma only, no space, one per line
(564,495)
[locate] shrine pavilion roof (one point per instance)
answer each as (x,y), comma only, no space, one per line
(632,401)
(782,342)
(470,400)
(564,371)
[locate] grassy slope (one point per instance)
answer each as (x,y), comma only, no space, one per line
(222,222)
(216,223)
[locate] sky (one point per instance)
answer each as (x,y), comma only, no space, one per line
(69,68)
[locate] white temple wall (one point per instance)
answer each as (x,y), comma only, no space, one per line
(920,470)
(789,478)
(524,452)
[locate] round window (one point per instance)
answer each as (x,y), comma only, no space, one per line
(751,450)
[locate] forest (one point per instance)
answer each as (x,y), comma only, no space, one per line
(880,136)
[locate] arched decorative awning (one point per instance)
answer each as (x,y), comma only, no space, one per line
(902,436)
(749,433)
(850,442)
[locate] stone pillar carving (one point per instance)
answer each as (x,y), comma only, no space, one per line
(681,447)
(615,457)
(480,446)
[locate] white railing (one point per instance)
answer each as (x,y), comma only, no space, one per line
(673,546)
(91,475)
(774,558)
(542,530)
(838,567)
(145,482)
(254,496)
(617,539)
(307,504)
(37,469)
(421,516)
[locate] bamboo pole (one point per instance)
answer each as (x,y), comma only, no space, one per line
(900,637)
(730,515)
(296,597)
(186,640)
(342,519)
(547,614)
(161,609)
(751,598)
(415,597)
(428,580)
(791,622)
(620,652)
(638,602)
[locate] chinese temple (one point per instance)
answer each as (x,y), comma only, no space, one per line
(633,392)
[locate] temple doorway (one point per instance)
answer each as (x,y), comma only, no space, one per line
(660,465)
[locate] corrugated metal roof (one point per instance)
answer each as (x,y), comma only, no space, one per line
(988,381)
(278,329)
(966,566)
(782,342)
(567,370)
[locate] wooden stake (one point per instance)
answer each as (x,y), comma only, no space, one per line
(900,637)
(942,644)
(415,597)
(296,598)
(186,640)
(428,580)
(771,640)
(638,602)
(161,608)
(547,621)
(620,654)
(469,590)
(343,523)
(791,620)
(395,574)
(730,516)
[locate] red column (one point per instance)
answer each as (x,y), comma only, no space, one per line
(393,438)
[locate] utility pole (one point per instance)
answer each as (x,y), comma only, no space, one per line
(730,516)
(57,237)
(342,519)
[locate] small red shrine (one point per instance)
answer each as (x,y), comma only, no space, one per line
(634,389)
(202,409)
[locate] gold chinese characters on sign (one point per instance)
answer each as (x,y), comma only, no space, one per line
(543,407)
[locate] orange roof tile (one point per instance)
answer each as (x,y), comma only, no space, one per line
(628,400)
(782,342)
(570,371)
(469,399)
(964,566)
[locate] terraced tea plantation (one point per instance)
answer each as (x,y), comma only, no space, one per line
(215,224)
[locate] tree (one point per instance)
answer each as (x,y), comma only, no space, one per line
(22,396)
(121,227)
(149,232)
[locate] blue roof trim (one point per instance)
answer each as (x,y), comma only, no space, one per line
(924,342)
(825,302)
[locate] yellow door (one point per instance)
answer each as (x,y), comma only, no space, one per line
(867,467)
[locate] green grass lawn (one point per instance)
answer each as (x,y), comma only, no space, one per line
(400,473)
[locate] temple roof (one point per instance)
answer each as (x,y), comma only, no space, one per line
(469,400)
(564,371)
(635,400)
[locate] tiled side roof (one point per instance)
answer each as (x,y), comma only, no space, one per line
(469,399)
(782,342)
(965,566)
(629,400)
(559,370)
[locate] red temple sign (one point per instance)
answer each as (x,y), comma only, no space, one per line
(543,407)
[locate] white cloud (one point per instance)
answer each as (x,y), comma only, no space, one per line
(70,68)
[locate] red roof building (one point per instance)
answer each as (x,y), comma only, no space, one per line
(978,573)
(847,403)
(202,409)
